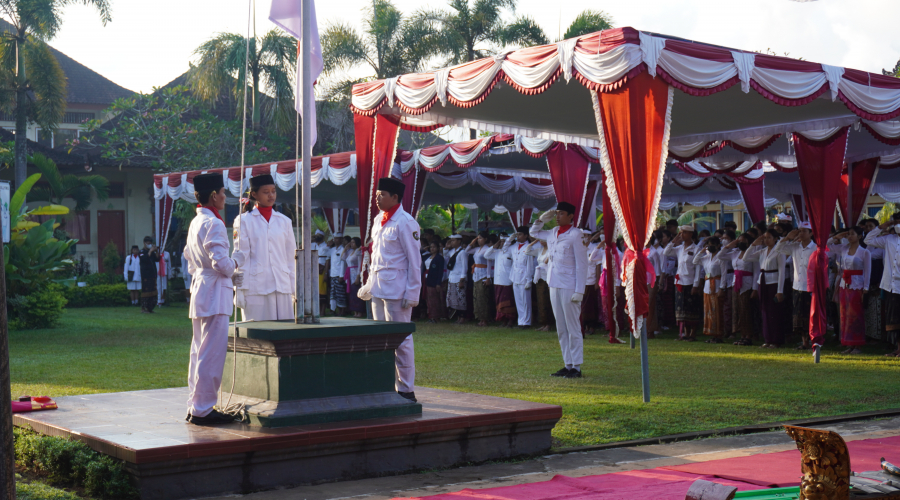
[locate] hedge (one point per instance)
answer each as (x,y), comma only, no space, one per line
(98,296)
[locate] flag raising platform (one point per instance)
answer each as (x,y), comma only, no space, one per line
(171,459)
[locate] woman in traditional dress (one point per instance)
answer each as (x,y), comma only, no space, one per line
(456,279)
(434,274)
(728,287)
(872,300)
(713,286)
(133,275)
(855,265)
(771,287)
(655,256)
(148,260)
(264,249)
(744,284)
(665,299)
(688,307)
(590,303)
(356,306)
(481,295)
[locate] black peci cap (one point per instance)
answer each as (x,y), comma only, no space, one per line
(391,185)
(261,180)
(208,182)
(566,207)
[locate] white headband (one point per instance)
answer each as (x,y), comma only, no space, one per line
(456,237)
(806,225)
(687,228)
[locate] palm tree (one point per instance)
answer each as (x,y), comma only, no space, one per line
(33,86)
(79,188)
(389,45)
(272,65)
(589,21)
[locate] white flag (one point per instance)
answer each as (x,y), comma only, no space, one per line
(286,14)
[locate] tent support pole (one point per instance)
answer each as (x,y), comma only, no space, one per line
(645,363)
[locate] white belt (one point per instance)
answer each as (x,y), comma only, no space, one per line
(207,272)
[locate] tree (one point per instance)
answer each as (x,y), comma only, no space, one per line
(589,21)
(893,72)
(272,64)
(389,45)
(79,188)
(33,86)
(172,130)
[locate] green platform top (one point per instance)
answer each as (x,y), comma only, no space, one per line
(790,493)
(326,328)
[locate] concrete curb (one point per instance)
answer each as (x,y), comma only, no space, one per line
(733,431)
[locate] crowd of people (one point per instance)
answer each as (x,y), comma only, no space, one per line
(147,271)
(747,289)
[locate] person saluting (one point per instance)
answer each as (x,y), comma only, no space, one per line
(212,272)
(395,274)
(264,247)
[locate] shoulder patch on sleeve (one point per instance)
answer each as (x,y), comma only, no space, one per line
(416,235)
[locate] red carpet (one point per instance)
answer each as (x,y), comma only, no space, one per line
(672,483)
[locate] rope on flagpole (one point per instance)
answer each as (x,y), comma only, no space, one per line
(238,409)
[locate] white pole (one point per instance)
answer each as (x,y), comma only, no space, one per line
(308,103)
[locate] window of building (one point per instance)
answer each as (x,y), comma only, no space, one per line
(873,211)
(79,226)
(45,138)
(747,222)
(62,136)
(116,189)
(708,225)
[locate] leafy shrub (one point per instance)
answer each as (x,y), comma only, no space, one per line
(38,491)
(70,462)
(103,279)
(39,309)
(98,296)
(111,258)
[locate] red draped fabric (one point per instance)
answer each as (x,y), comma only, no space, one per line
(754,200)
(336,219)
(819,164)
(635,120)
(569,173)
(799,207)
(863,178)
(415,189)
(587,205)
(376,143)
(520,217)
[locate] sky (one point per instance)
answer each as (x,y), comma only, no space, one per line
(149,44)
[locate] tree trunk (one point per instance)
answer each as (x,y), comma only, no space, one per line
(7,448)
(256,110)
(21,152)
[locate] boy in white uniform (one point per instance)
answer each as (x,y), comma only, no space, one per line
(566,277)
(212,270)
(395,274)
(522,275)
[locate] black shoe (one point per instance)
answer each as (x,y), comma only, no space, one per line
(561,373)
(409,395)
(188,417)
(573,373)
(213,418)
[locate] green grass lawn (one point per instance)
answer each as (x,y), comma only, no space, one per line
(694,386)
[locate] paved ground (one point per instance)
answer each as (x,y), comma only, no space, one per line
(586,463)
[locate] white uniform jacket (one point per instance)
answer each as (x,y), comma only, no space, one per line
(210,266)
(522,254)
(502,264)
(133,263)
(264,252)
(396,268)
(568,257)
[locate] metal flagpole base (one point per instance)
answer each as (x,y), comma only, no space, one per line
(645,363)
(816,348)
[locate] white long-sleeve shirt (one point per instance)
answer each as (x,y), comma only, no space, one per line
(599,255)
(710,267)
(861,260)
(481,263)
(738,264)
(890,280)
(460,258)
(685,272)
(799,256)
(502,264)
(523,261)
(133,263)
(771,265)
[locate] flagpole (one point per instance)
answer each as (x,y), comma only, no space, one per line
(308,103)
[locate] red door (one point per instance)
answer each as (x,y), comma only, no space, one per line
(110,228)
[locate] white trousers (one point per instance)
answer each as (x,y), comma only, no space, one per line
(568,325)
(523,304)
(208,350)
(271,307)
(405,355)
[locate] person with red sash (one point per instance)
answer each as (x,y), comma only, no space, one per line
(264,248)
(395,275)
(855,264)
(212,300)
(567,278)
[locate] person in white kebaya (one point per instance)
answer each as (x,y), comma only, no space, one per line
(264,250)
